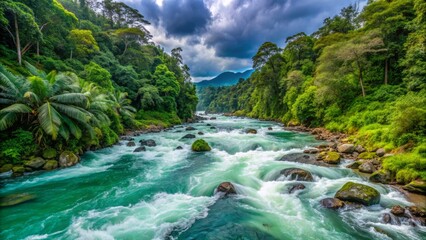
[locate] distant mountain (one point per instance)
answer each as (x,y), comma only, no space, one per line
(225,79)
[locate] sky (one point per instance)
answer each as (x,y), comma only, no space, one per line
(223,35)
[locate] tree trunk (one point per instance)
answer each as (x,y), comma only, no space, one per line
(18,41)
(71,54)
(361,82)
(386,71)
(38,48)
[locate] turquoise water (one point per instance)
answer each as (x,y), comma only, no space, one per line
(165,193)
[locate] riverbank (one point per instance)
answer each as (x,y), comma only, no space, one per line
(366,159)
(168,191)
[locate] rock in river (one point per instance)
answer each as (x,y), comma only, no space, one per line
(367,167)
(188,136)
(332,158)
(297,174)
(14,199)
(227,188)
(296,187)
(358,193)
(190,129)
(251,131)
(333,203)
(398,211)
(200,146)
(131,144)
(140,149)
(67,159)
(148,142)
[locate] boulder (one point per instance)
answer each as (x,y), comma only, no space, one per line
(346,148)
(359,149)
(358,193)
(127,138)
(398,211)
(18,170)
(208,124)
(367,155)
(6,168)
(131,144)
(354,165)
(332,203)
(35,163)
(416,186)
(381,152)
(296,187)
(389,219)
(148,142)
(212,127)
(49,153)
(179,148)
(297,174)
(311,151)
(200,146)
(50,165)
(355,155)
(200,133)
(188,136)
(416,211)
(213,118)
(332,158)
(140,149)
(367,167)
(68,159)
(190,129)
(270,128)
(15,199)
(251,131)
(226,188)
(302,158)
(381,176)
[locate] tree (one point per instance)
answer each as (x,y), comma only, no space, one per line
(149,97)
(168,86)
(51,102)
(130,36)
(82,42)
(22,18)
(265,52)
(299,47)
(97,74)
(343,23)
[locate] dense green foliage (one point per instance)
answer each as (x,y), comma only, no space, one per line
(360,73)
(74,73)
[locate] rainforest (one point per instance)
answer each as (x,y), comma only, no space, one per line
(105,133)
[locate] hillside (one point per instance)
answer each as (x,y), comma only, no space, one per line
(225,79)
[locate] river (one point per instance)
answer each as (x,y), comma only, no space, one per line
(165,193)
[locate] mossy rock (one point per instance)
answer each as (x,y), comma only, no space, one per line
(14,199)
(6,168)
(49,153)
(367,155)
(50,165)
(200,146)
(354,165)
(332,158)
(416,186)
(358,193)
(381,176)
(251,131)
(68,159)
(35,163)
(18,169)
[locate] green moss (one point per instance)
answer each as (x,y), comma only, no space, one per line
(157,118)
(49,153)
(332,158)
(200,146)
(406,167)
(367,155)
(417,186)
(355,192)
(6,168)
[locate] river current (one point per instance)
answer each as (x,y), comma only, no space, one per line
(164,193)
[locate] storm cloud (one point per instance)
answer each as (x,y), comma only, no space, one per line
(224,35)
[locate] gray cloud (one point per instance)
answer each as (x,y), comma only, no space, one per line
(224,35)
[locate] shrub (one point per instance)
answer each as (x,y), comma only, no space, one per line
(20,144)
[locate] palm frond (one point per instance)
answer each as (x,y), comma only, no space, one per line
(16,108)
(7,120)
(74,112)
(73,128)
(71,98)
(49,119)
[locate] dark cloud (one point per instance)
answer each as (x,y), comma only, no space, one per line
(219,35)
(185,17)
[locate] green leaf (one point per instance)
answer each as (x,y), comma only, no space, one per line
(49,119)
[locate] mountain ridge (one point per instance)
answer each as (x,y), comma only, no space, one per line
(227,78)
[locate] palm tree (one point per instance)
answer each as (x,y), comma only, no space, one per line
(122,105)
(52,102)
